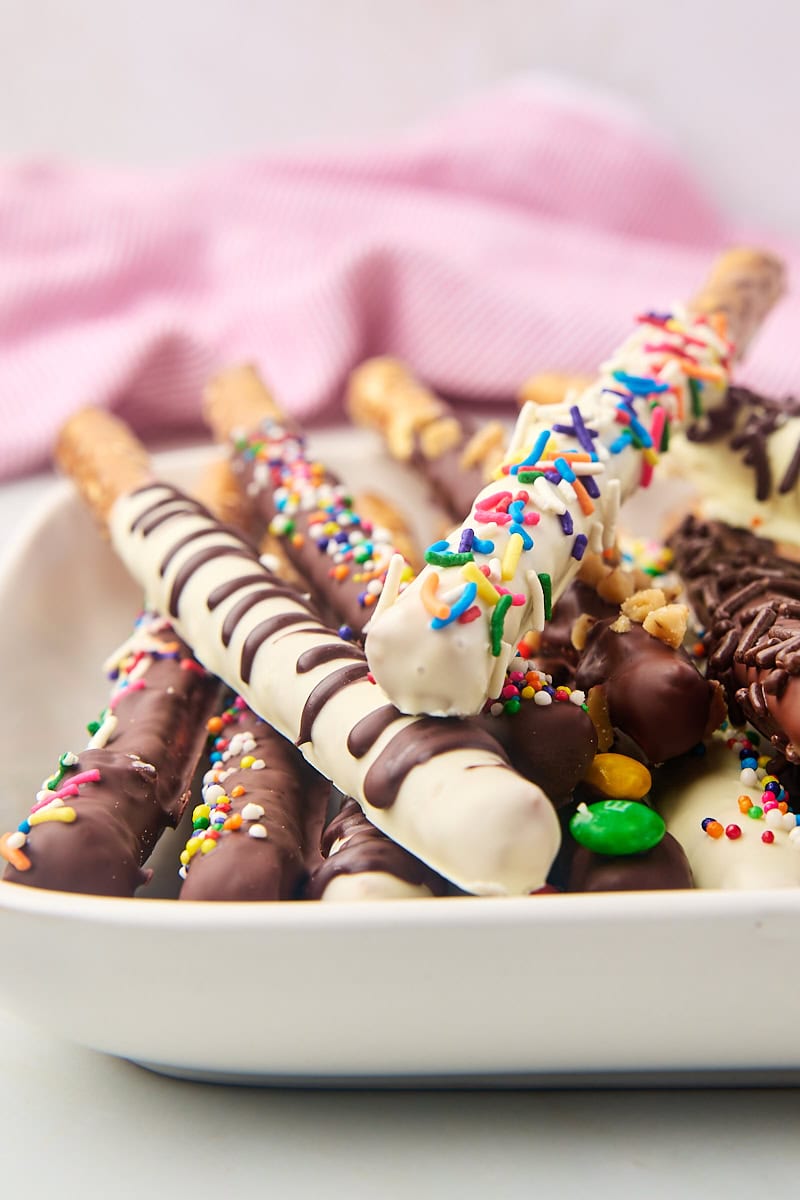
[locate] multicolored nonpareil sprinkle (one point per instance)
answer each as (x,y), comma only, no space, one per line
(214,818)
(127,667)
(770,807)
(357,549)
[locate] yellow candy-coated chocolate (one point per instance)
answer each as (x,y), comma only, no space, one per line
(618,776)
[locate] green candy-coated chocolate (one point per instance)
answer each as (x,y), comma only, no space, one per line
(617,827)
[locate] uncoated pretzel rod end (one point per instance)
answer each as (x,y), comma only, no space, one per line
(102,456)
(743,285)
(238,400)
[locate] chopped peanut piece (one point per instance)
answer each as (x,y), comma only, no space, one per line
(640,604)
(580,630)
(616,587)
(668,624)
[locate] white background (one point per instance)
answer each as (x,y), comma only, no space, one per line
(166,82)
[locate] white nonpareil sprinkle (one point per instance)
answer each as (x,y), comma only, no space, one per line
(542,698)
(257,831)
(794,837)
(258,765)
(577,697)
(252,812)
(748,777)
(16,840)
(212,793)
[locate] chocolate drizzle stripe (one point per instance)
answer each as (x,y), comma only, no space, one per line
(260,633)
(179,545)
(365,733)
(162,510)
(789,480)
(416,744)
(243,606)
(325,690)
(230,587)
(185,573)
(316,656)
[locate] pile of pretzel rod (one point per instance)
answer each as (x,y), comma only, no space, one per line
(425,760)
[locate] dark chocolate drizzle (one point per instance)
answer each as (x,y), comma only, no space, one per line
(260,633)
(266,592)
(416,744)
(748,420)
(365,733)
(327,652)
(231,586)
(187,570)
(325,690)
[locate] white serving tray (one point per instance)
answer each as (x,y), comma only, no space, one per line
(622,988)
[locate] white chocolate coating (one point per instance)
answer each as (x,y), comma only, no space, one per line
(372,885)
(725,483)
(710,787)
(452,670)
(464,811)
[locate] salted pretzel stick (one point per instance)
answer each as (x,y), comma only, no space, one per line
(454,455)
(341,553)
(96,820)
(425,783)
(444,645)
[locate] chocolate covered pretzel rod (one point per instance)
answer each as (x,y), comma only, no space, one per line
(425,783)
(444,645)
(341,553)
(748,598)
(742,456)
(96,820)
(361,863)
(454,455)
(259,822)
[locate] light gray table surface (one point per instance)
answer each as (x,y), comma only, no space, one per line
(75,1123)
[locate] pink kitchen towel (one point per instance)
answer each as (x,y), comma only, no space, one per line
(518,232)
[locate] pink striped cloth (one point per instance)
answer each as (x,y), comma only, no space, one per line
(519,232)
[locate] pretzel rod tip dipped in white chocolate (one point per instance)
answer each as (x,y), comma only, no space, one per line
(443,646)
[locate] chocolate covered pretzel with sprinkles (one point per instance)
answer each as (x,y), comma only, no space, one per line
(748,598)
(342,555)
(425,783)
(443,645)
(97,818)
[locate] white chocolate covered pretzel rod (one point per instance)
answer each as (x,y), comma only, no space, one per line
(444,644)
(442,790)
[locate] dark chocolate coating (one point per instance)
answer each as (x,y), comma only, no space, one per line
(294,798)
(120,818)
(556,654)
(337,599)
(367,849)
(654,693)
(665,866)
(551,745)
(749,598)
